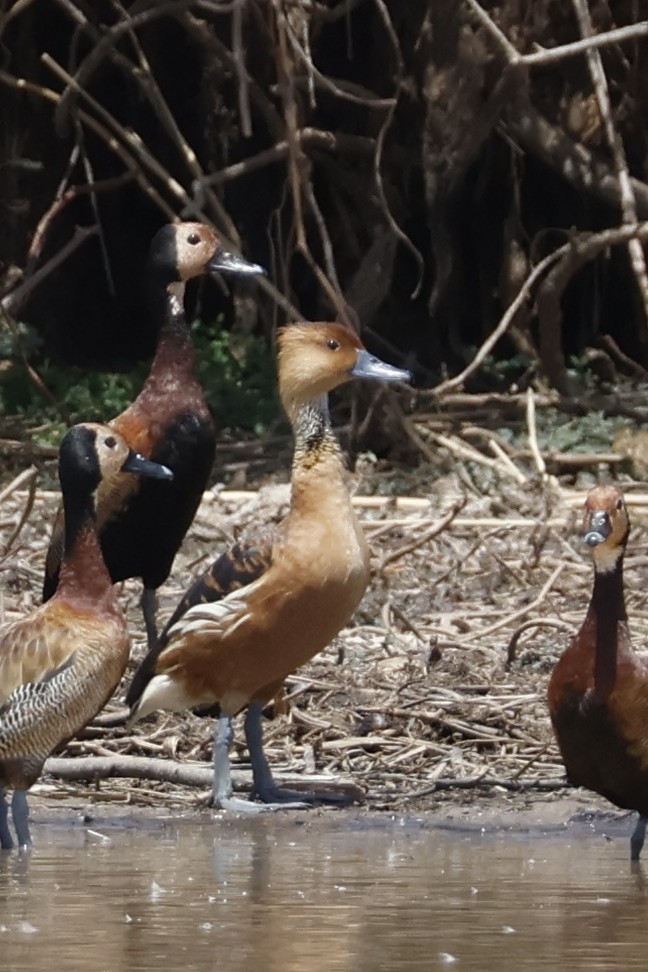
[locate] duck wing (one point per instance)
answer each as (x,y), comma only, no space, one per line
(33,648)
(234,570)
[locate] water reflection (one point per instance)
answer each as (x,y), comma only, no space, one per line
(327,895)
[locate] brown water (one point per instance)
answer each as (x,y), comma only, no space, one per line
(329,895)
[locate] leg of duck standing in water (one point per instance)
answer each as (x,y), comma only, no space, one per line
(222,787)
(264,785)
(222,790)
(637,838)
(148,604)
(6,840)
(20,815)
(222,783)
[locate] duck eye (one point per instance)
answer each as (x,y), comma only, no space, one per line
(110,442)
(193,238)
(619,504)
(332,344)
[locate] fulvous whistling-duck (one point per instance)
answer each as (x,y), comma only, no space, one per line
(598,691)
(60,664)
(142,525)
(274,602)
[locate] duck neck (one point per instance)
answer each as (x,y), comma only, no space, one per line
(607,611)
(174,350)
(84,576)
(317,453)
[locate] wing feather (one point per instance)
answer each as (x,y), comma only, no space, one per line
(31,649)
(218,597)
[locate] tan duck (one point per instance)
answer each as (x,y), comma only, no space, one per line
(61,663)
(270,604)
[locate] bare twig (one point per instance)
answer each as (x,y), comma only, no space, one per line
(628,202)
(425,537)
(511,648)
(130,139)
(507,461)
(27,476)
(62,200)
(503,622)
(485,349)
(241,73)
(532,433)
(12,302)
(299,178)
(22,84)
(547,56)
(620,35)
(579,251)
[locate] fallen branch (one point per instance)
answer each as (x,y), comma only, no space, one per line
(135,768)
(170,771)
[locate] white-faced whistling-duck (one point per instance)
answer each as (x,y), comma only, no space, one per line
(598,691)
(142,525)
(61,663)
(268,605)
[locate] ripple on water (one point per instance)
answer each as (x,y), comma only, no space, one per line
(317,898)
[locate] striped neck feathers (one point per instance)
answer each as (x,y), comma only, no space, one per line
(318,471)
(607,613)
(315,441)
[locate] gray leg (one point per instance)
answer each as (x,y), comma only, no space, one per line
(222,786)
(148,604)
(6,840)
(264,785)
(637,838)
(20,814)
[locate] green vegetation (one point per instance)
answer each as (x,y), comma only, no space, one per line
(239,376)
(238,373)
(558,432)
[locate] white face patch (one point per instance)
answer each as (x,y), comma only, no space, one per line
(606,558)
(195,245)
(176,292)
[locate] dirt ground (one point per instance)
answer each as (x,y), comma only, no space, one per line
(414,706)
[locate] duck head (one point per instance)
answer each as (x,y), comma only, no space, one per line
(606,526)
(316,358)
(91,452)
(182,251)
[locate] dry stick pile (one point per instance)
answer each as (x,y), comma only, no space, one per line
(416,696)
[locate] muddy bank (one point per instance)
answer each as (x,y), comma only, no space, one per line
(432,700)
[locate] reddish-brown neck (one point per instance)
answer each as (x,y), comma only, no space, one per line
(84,577)
(607,610)
(175,352)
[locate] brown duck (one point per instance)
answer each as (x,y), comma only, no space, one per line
(142,524)
(268,605)
(62,662)
(598,692)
